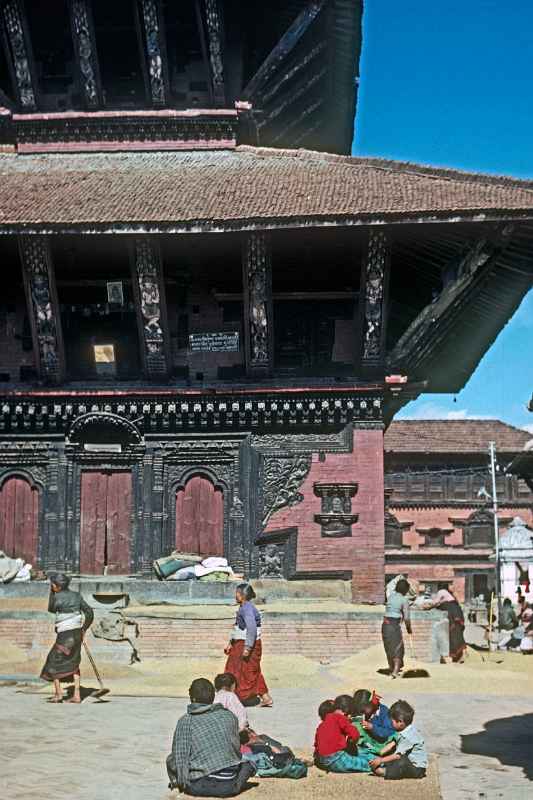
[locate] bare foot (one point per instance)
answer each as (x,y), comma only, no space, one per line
(55,699)
(74,699)
(266,701)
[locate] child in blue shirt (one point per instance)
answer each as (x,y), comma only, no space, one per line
(372,720)
(406,758)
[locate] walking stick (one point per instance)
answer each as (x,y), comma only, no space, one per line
(102,690)
(491,620)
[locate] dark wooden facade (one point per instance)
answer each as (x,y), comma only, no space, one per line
(203,335)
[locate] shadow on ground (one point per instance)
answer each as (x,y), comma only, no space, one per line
(507,739)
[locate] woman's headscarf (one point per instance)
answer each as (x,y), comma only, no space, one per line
(443,596)
(60,579)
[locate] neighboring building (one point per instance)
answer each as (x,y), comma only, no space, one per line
(203,329)
(438,529)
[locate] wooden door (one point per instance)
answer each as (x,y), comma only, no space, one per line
(19,519)
(200,518)
(105,531)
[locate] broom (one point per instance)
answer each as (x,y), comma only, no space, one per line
(102,690)
(415,671)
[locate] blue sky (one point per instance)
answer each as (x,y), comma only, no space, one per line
(451,84)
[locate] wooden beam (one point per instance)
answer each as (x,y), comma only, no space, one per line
(203,45)
(304,87)
(215,38)
(82,27)
(21,57)
(151,17)
(295,121)
(150,304)
(267,96)
(375,271)
(43,307)
(286,44)
(258,311)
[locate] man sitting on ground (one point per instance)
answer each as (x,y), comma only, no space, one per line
(206,757)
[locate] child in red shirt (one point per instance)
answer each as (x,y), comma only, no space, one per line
(334,735)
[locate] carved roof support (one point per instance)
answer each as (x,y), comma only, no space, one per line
(43,308)
(82,27)
(215,37)
(462,279)
(20,55)
(258,312)
(149,290)
(374,289)
(151,17)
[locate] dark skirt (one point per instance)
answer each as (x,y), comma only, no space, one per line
(456,622)
(250,680)
(391,633)
(63,660)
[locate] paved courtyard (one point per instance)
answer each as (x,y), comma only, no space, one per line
(116,749)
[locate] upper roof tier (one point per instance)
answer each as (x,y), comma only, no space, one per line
(292,64)
(228,190)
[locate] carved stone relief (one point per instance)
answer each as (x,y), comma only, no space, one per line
(153,51)
(374,275)
(258,279)
(336,516)
(282,477)
(19,53)
(38,278)
(85,51)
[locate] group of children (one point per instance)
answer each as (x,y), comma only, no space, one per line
(360,734)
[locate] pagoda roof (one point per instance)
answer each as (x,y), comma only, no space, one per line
(241,188)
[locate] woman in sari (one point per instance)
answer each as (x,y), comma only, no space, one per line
(396,610)
(244,651)
(446,601)
(73,618)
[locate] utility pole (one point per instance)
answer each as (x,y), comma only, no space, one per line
(492,451)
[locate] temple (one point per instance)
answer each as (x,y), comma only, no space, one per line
(210,311)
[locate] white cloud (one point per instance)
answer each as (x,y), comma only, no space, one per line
(436,411)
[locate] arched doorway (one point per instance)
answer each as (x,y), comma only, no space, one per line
(19,518)
(200,518)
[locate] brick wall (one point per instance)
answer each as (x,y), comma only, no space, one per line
(317,636)
(363,551)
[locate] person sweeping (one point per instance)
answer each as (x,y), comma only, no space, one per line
(244,651)
(396,610)
(73,618)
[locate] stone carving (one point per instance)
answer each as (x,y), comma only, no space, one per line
(282,477)
(113,428)
(270,561)
(35,259)
(153,51)
(148,279)
(374,283)
(516,542)
(214,31)
(258,275)
(336,516)
(19,53)
(85,51)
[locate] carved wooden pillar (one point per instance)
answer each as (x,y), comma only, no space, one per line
(258,312)
(82,27)
(43,308)
(215,35)
(151,17)
(149,290)
(373,300)
(21,58)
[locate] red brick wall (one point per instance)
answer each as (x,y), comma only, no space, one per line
(316,636)
(363,552)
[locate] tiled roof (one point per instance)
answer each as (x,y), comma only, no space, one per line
(223,188)
(453,436)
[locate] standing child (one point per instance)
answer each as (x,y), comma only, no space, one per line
(406,758)
(334,735)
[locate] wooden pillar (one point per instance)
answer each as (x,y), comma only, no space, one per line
(373,300)
(151,18)
(82,26)
(21,57)
(215,36)
(149,291)
(258,311)
(43,308)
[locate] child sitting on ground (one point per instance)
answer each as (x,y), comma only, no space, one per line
(372,720)
(225,686)
(336,737)
(406,758)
